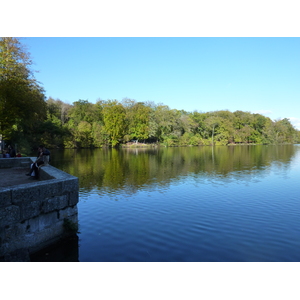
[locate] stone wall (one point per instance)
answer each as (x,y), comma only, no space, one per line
(36,214)
(19,162)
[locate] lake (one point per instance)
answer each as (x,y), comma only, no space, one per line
(191,204)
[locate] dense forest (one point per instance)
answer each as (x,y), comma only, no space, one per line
(110,123)
(27,118)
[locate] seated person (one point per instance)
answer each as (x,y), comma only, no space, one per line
(12,152)
(46,154)
(42,159)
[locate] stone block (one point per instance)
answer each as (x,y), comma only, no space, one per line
(50,188)
(19,255)
(73,198)
(15,230)
(14,162)
(45,237)
(5,197)
(46,172)
(55,203)
(5,163)
(9,215)
(26,193)
(47,220)
(70,185)
(33,225)
(2,235)
(29,209)
(32,215)
(68,212)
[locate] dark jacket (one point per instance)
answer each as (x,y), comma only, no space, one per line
(12,152)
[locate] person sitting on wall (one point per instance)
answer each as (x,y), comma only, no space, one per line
(46,154)
(42,159)
(7,155)
(12,152)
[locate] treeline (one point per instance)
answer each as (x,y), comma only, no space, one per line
(113,123)
(27,118)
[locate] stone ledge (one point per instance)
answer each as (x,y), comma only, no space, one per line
(32,214)
(15,162)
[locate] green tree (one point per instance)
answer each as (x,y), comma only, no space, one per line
(58,109)
(138,117)
(82,110)
(168,124)
(285,131)
(114,117)
(242,119)
(84,134)
(22,100)
(99,135)
(243,135)
(153,126)
(211,123)
(199,118)
(188,124)
(81,117)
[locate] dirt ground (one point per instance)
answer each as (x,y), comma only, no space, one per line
(14,176)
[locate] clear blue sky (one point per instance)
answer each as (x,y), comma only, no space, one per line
(201,73)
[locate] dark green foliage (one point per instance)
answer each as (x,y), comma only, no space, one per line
(70,227)
(22,100)
(111,123)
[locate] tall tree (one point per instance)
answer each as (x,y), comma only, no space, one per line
(59,109)
(199,118)
(138,117)
(22,100)
(114,116)
(163,120)
(211,123)
(83,110)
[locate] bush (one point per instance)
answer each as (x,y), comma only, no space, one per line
(196,140)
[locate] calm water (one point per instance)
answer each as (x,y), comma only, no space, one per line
(238,203)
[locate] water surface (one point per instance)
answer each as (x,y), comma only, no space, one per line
(235,203)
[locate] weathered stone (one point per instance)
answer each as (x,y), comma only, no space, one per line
(5,197)
(45,237)
(32,225)
(14,231)
(47,220)
(15,162)
(70,185)
(50,188)
(9,215)
(25,194)
(73,198)
(30,209)
(32,214)
(55,203)
(19,255)
(2,235)
(44,172)
(68,212)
